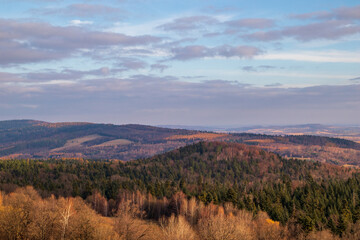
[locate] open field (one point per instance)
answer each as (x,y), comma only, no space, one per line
(260,141)
(76,142)
(201,136)
(115,142)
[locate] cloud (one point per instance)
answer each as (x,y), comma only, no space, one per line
(174,101)
(15,52)
(204,24)
(329,25)
(172,43)
(341,13)
(257,68)
(158,66)
(330,56)
(330,30)
(274,85)
(266,67)
(77,22)
(314,15)
(81,10)
(227,51)
(186,24)
(251,23)
(96,77)
(348,12)
(355,79)
(6,77)
(67,74)
(24,42)
(249,69)
(192,77)
(264,36)
(131,64)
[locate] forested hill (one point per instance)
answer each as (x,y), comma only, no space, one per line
(30,139)
(313,194)
(307,147)
(306,140)
(216,164)
(37,139)
(226,163)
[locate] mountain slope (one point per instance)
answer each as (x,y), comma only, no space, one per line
(36,139)
(345,132)
(323,149)
(314,194)
(42,140)
(206,163)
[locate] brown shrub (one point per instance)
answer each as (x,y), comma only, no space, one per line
(266,229)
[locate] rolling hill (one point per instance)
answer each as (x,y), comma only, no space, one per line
(310,194)
(41,140)
(21,139)
(346,132)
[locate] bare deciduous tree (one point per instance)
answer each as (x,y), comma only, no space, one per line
(66,211)
(177,228)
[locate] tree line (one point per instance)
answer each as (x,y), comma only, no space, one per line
(311,196)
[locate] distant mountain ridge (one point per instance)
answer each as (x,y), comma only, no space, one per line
(350,132)
(39,139)
(22,139)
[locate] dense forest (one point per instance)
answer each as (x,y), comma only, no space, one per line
(26,215)
(302,196)
(323,149)
(307,140)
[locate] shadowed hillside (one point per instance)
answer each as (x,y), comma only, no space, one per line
(307,147)
(21,139)
(36,139)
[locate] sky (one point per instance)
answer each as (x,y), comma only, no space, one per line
(199,62)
